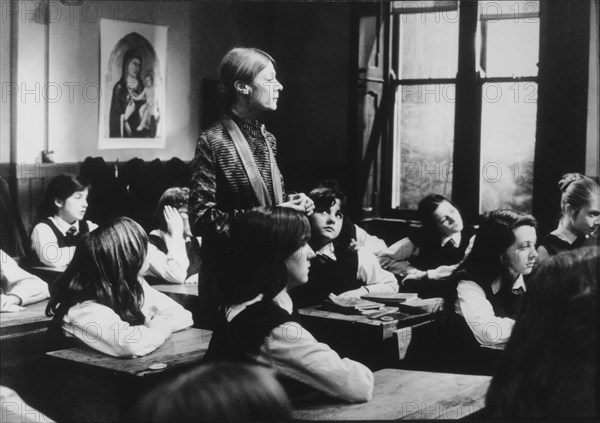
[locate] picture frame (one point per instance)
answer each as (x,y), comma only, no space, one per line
(132,105)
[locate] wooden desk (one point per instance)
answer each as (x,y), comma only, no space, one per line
(184,347)
(366,340)
(97,387)
(186,289)
(315,319)
(405,394)
(22,334)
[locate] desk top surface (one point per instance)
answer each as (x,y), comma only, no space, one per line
(56,270)
(184,289)
(184,347)
(405,319)
(405,394)
(32,317)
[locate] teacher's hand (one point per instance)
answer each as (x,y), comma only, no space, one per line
(300,202)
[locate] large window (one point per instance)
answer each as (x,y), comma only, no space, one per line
(463,77)
(509,46)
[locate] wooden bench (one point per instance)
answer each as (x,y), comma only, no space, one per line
(405,394)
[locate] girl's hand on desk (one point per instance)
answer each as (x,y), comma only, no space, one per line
(174,221)
(354,293)
(10,304)
(160,323)
(415,275)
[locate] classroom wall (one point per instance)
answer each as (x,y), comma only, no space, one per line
(74,58)
(310,42)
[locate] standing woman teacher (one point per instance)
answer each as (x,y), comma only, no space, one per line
(234,167)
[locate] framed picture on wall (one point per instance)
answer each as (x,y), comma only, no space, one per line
(133,60)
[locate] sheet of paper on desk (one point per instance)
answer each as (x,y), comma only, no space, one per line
(350,305)
(420,305)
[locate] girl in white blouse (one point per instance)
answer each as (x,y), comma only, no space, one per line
(103,301)
(18,288)
(490,282)
(61,221)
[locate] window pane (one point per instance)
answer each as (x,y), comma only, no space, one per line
(429,45)
(370,46)
(507,145)
(423,143)
(512,48)
(514,9)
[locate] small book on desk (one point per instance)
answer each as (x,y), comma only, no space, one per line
(350,305)
(390,298)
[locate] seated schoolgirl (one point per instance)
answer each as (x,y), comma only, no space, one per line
(578,226)
(172,240)
(18,287)
(549,367)
(61,221)
(103,301)
(265,254)
(433,251)
(490,279)
(338,268)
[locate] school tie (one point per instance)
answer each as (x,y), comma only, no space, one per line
(71,232)
(518,291)
(324,258)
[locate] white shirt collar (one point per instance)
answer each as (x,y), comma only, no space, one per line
(232,311)
(564,234)
(519,283)
(329,251)
(62,225)
(455,239)
(282,299)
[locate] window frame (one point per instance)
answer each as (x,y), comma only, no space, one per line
(468,111)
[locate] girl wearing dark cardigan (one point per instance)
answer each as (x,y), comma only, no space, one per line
(251,265)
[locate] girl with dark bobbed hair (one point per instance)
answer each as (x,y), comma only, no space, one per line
(235,167)
(580,218)
(103,301)
(341,267)
(549,368)
(61,221)
(252,264)
(490,283)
